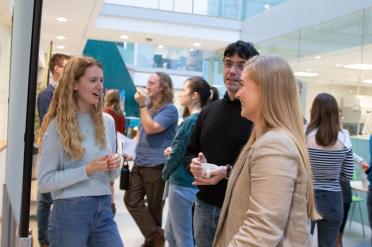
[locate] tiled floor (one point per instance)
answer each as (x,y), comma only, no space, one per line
(132,236)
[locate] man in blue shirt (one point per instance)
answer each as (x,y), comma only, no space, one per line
(56,66)
(158,127)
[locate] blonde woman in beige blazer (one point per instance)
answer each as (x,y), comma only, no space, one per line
(269,199)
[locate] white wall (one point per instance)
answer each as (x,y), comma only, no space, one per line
(20,60)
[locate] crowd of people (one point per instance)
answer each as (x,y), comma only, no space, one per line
(243,170)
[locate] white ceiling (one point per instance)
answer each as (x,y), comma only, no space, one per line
(80,26)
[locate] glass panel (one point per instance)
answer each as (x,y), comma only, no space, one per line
(184,6)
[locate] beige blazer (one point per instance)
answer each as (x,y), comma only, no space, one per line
(265,202)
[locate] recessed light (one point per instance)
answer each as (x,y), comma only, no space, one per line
(61,19)
(124,37)
(318,57)
(305,74)
(196,44)
(267,6)
(350,91)
(60,37)
(60,47)
(160,46)
(191,49)
(367,81)
(338,65)
(359,66)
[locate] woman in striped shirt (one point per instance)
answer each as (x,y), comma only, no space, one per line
(331,157)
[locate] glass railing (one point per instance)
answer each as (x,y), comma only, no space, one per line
(234,9)
(161,57)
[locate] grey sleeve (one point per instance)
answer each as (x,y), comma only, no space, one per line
(53,175)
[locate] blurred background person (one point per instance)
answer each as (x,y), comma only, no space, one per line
(269,199)
(331,157)
(113,107)
(77,161)
(57,64)
(159,118)
(196,94)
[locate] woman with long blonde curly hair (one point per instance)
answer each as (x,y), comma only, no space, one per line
(77,160)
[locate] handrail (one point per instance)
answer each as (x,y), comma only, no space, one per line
(30,116)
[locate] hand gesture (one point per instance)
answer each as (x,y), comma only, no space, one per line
(113,161)
(97,165)
(140,97)
(216,175)
(167,152)
(195,166)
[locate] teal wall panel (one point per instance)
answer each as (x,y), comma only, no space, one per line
(116,75)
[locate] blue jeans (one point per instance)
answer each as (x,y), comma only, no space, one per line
(330,206)
(43,209)
(178,229)
(83,221)
(206,218)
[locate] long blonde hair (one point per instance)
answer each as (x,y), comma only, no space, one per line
(64,108)
(280,108)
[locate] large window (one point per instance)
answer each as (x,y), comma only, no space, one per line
(334,57)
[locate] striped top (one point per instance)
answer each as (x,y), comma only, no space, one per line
(329,166)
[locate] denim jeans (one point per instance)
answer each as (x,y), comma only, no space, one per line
(178,229)
(43,209)
(330,206)
(206,218)
(369,207)
(83,221)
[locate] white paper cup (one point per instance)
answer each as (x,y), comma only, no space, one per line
(207,168)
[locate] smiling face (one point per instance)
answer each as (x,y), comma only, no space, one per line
(232,70)
(89,88)
(249,95)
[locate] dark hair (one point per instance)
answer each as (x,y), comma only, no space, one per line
(206,92)
(243,49)
(57,59)
(324,117)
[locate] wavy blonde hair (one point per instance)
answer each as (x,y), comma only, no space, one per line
(64,108)
(280,108)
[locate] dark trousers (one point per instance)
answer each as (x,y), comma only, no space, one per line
(43,210)
(369,207)
(146,181)
(330,207)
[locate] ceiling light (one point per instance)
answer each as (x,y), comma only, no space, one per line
(318,57)
(61,37)
(60,47)
(61,19)
(196,44)
(367,81)
(124,37)
(191,49)
(160,46)
(359,66)
(267,6)
(305,74)
(338,65)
